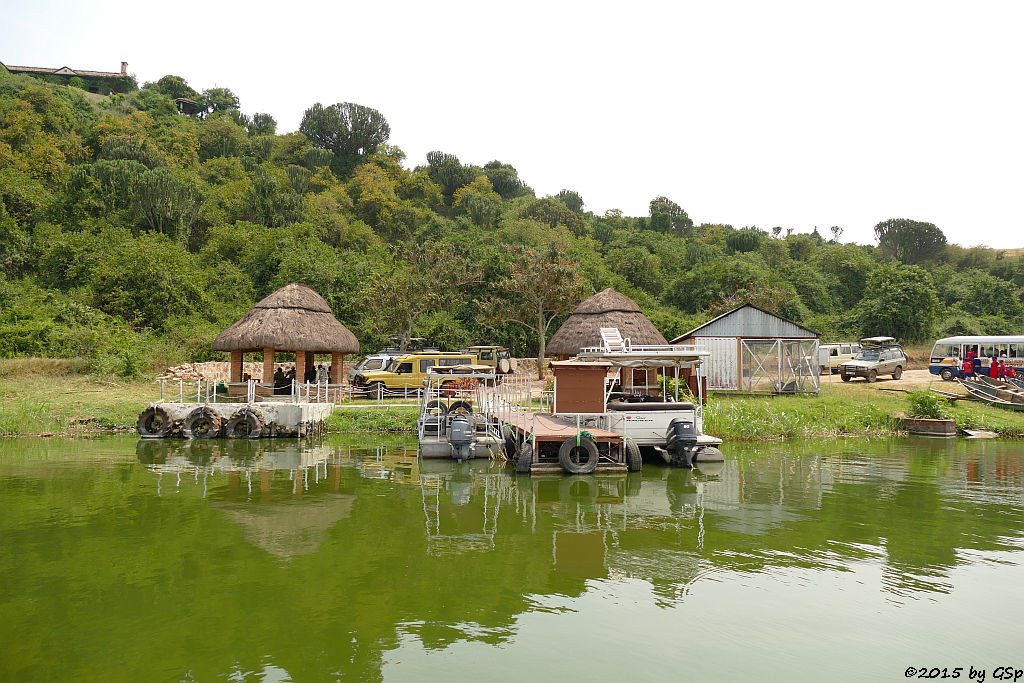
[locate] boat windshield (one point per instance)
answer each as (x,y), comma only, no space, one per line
(868,354)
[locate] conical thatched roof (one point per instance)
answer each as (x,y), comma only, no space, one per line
(607,308)
(294,318)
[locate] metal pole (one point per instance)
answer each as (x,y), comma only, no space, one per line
(181,390)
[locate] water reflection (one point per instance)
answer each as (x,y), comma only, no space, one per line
(367,548)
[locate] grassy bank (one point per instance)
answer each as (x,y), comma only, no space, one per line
(855,409)
(50,397)
(385,420)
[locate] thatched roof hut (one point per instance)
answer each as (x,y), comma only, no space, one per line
(607,308)
(294,318)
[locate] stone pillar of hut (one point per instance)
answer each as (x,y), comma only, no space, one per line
(235,371)
(268,365)
(300,366)
(337,362)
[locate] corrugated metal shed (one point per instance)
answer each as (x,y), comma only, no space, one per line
(756,351)
(750,322)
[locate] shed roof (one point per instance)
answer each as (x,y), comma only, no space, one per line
(607,308)
(294,318)
(750,321)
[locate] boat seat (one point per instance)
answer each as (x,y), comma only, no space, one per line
(622,406)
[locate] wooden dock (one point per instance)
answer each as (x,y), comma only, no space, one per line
(549,428)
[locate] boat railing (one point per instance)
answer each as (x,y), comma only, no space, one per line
(645,349)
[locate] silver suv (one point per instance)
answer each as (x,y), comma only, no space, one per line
(879,356)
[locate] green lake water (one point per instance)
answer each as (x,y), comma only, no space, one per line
(849,560)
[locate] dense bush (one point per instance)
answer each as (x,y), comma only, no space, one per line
(130,235)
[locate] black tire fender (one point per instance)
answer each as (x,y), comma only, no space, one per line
(441,408)
(456,406)
(154,423)
(202,423)
(244,424)
(509,439)
(524,458)
(634,461)
(570,450)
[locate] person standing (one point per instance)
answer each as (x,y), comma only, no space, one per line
(968,368)
(993,368)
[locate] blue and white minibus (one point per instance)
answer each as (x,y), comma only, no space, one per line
(948,354)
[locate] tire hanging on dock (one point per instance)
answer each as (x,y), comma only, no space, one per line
(524,458)
(578,455)
(202,423)
(509,438)
(154,423)
(244,424)
(634,461)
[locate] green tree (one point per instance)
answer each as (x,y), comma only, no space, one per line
(555,213)
(747,239)
(899,301)
(537,288)
(505,180)
(910,241)
(426,278)
(218,100)
(261,124)
(572,200)
(168,200)
(350,130)
(681,222)
(447,171)
(175,87)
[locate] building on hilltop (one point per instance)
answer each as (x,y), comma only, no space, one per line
(101,82)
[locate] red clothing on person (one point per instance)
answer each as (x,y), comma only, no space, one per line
(1010,372)
(968,368)
(993,369)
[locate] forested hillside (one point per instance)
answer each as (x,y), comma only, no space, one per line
(131,234)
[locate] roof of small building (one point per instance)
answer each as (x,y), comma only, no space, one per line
(294,318)
(62,71)
(607,308)
(750,321)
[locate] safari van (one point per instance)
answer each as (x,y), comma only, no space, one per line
(831,356)
(409,370)
(497,357)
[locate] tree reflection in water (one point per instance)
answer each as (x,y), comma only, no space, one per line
(221,558)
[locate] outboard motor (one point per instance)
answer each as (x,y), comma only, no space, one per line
(681,442)
(460,436)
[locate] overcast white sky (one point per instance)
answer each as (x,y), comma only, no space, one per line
(797,114)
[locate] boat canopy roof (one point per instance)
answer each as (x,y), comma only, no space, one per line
(650,356)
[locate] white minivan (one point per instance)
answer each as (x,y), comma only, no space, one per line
(831,356)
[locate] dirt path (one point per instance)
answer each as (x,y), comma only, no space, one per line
(911,379)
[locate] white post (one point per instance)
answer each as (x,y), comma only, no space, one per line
(181,390)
